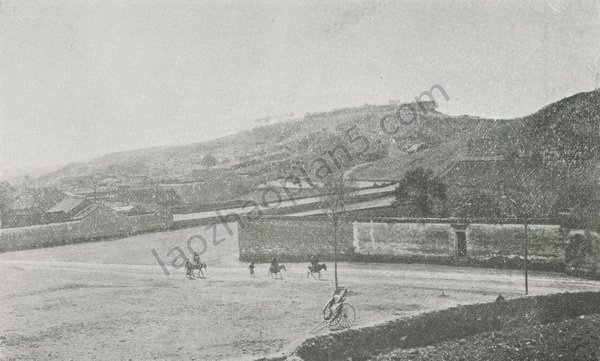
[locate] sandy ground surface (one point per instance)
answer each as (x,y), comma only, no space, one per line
(112,301)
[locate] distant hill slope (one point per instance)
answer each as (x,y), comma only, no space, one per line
(563,136)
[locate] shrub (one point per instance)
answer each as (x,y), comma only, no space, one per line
(582,252)
(578,246)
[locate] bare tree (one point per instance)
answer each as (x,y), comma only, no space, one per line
(6,194)
(94,181)
(334,199)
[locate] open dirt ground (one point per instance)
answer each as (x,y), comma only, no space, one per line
(112,301)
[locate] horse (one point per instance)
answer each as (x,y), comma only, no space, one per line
(312,269)
(276,269)
(191,266)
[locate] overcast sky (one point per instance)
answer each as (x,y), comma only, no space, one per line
(82,78)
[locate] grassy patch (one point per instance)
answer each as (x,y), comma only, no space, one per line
(575,339)
(454,323)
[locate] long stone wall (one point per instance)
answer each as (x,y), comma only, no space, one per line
(482,240)
(291,238)
(298,238)
(103,223)
(376,238)
(487,240)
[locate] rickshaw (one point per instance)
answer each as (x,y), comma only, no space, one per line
(337,313)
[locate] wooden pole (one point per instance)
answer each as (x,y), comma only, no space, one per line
(525,246)
(335,226)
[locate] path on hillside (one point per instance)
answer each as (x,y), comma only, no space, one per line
(283,204)
(373,203)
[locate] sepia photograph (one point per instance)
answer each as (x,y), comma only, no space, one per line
(338,180)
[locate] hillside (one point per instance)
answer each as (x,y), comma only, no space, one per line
(561,141)
(543,160)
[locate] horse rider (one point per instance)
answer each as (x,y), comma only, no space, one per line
(314,261)
(274,262)
(197,259)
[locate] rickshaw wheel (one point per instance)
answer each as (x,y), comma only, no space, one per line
(347,316)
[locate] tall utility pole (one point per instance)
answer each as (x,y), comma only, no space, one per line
(335,252)
(525,246)
(525,219)
(334,200)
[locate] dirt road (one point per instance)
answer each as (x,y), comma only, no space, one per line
(111,300)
